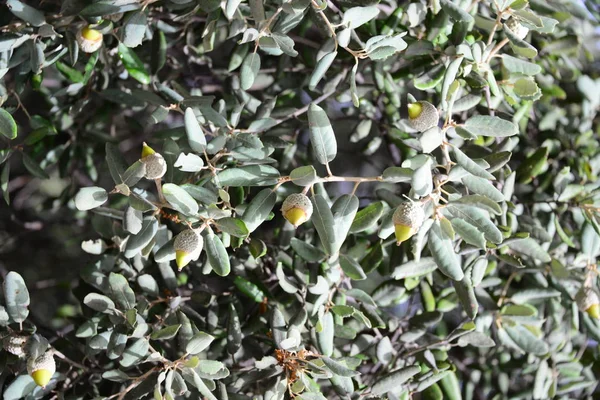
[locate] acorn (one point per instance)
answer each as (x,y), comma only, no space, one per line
(15,344)
(297,209)
(422,115)
(42,368)
(188,245)
(156,166)
(517,28)
(407,219)
(588,301)
(89,39)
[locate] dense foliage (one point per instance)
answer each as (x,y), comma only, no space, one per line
(304,198)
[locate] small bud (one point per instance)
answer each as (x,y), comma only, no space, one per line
(156,166)
(517,28)
(407,219)
(297,209)
(42,368)
(15,344)
(188,245)
(422,115)
(588,301)
(89,39)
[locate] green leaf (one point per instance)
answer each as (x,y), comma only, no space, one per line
(526,340)
(249,71)
(322,137)
(322,219)
(259,209)
(478,218)
(133,64)
(26,13)
(233,226)
(469,233)
(4,178)
(8,126)
(343,210)
(486,125)
(278,326)
(19,388)
(134,29)
(16,297)
(483,187)
(234,331)
(414,268)
(307,251)
(304,176)
(179,199)
(393,380)
(98,302)
(469,165)
(455,12)
(90,197)
(135,352)
(338,368)
(443,253)
(326,334)
(251,175)
(352,268)
(520,46)
(198,343)
(466,295)
(367,217)
(148,284)
(320,69)
(137,242)
(524,296)
(217,254)
(194,132)
(120,291)
(476,339)
(33,167)
(481,202)
(397,174)
(530,248)
(521,67)
(159,52)
(168,332)
(450,78)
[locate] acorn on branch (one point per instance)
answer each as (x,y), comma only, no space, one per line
(407,218)
(588,301)
(42,368)
(422,115)
(89,39)
(297,209)
(517,28)
(15,344)
(155,164)
(188,246)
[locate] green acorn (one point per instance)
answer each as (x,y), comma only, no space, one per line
(89,39)
(517,28)
(407,219)
(588,301)
(15,344)
(422,115)
(42,368)
(188,246)
(297,209)
(155,164)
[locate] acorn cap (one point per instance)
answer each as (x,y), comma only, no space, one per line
(188,246)
(407,220)
(42,368)
(517,28)
(297,209)
(155,164)
(588,301)
(422,115)
(15,344)
(89,39)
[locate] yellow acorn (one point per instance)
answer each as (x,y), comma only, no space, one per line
(156,166)
(407,219)
(188,245)
(517,28)
(422,115)
(89,39)
(588,301)
(15,344)
(42,368)
(297,209)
